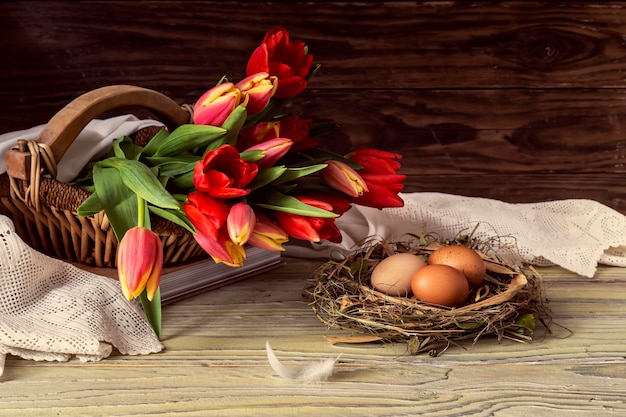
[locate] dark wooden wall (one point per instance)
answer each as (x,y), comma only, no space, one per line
(519,101)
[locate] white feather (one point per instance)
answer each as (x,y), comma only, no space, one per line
(312,372)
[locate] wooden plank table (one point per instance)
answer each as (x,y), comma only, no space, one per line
(215,362)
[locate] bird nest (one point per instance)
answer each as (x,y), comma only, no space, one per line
(508,304)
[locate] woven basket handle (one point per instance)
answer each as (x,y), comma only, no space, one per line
(64,127)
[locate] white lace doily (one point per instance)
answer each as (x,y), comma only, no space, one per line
(575,234)
(51,310)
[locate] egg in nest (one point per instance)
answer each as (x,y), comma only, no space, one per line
(393,274)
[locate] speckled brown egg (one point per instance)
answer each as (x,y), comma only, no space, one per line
(440,284)
(393,274)
(462,258)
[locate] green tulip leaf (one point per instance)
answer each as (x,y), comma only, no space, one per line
(182,183)
(267,176)
(125,148)
(152,310)
(189,137)
(317,155)
(118,201)
(90,206)
(234,123)
(156,141)
(175,216)
(292,174)
(173,166)
(274,200)
(141,180)
(252,156)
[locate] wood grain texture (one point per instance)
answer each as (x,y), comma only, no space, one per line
(215,363)
(474,90)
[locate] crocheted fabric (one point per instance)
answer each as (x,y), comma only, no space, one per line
(576,234)
(51,310)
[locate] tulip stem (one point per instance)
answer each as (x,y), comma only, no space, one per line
(141,212)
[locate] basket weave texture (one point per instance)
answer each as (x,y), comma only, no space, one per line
(44,210)
(48,221)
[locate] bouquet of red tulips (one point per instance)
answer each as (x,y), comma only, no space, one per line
(244,173)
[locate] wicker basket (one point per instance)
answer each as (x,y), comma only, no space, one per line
(43,209)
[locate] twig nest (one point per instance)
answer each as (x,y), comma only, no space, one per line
(506,302)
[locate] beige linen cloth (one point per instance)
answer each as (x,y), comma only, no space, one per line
(51,310)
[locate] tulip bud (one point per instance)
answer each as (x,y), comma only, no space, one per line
(214,106)
(240,223)
(259,88)
(343,178)
(139,262)
(268,235)
(273,150)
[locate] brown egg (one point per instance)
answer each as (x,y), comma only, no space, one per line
(462,258)
(393,274)
(440,284)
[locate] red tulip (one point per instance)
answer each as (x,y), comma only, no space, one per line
(286,59)
(259,88)
(343,178)
(139,262)
(273,150)
(310,228)
(267,235)
(383,191)
(376,161)
(206,213)
(380,174)
(223,174)
(240,222)
(297,129)
(214,106)
(209,216)
(258,133)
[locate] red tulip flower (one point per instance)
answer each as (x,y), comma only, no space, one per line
(380,174)
(286,59)
(214,106)
(383,191)
(223,174)
(139,262)
(311,228)
(267,235)
(259,88)
(343,178)
(240,223)
(209,217)
(376,161)
(272,149)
